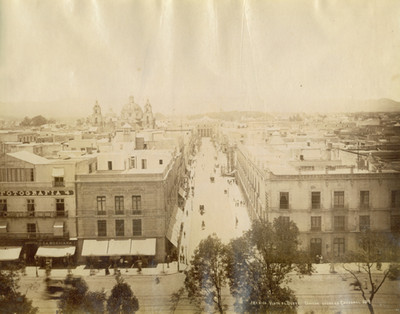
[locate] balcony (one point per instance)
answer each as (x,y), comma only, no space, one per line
(33,235)
(58,183)
(36,214)
(136,212)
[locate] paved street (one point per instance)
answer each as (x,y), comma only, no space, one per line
(220,210)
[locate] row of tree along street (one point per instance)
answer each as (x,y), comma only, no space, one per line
(76,297)
(256,266)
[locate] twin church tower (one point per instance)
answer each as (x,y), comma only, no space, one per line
(131,114)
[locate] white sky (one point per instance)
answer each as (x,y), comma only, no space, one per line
(196,55)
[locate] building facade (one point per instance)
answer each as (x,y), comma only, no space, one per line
(130,206)
(331,203)
(37,203)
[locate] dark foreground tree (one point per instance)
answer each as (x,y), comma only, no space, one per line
(259,263)
(78,299)
(207,274)
(374,248)
(12,301)
(122,299)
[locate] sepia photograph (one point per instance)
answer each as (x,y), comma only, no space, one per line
(199,156)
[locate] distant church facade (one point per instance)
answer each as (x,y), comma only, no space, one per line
(131,114)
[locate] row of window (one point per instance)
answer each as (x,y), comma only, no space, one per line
(338,246)
(119,227)
(17,175)
(338,199)
(119,205)
(30,206)
(339,223)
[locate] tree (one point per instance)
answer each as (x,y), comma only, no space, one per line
(259,263)
(12,301)
(122,299)
(25,122)
(38,121)
(369,276)
(78,298)
(175,298)
(207,274)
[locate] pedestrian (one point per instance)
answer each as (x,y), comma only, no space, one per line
(139,266)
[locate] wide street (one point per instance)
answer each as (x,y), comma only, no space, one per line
(322,292)
(221,201)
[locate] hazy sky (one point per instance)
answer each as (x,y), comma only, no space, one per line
(196,55)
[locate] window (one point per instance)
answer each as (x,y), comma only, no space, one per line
(364,199)
(364,223)
(338,247)
(133,162)
(136,204)
(144,164)
(119,228)
(137,227)
(30,204)
(31,228)
(339,223)
(160,161)
(338,199)
(396,199)
(58,181)
(101,205)
(101,228)
(284,200)
(316,223)
(119,205)
(395,223)
(60,207)
(109,164)
(315,200)
(3,205)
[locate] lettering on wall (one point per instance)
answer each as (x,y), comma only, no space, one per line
(37,193)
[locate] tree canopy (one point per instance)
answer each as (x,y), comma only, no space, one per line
(207,274)
(259,263)
(373,249)
(78,299)
(12,301)
(122,299)
(35,121)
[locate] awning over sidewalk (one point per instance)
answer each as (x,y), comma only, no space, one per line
(143,247)
(55,251)
(119,247)
(95,248)
(9,253)
(175,226)
(3,226)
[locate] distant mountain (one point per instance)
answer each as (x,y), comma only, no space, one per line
(383,104)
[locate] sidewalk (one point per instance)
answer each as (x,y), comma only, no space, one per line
(161,270)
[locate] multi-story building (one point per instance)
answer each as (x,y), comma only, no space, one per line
(330,201)
(128,208)
(37,203)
